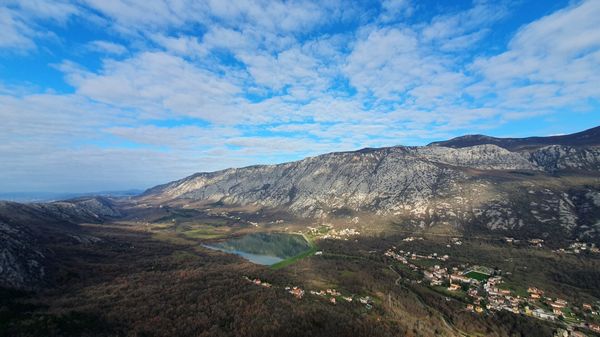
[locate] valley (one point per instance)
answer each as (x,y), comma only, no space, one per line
(480,241)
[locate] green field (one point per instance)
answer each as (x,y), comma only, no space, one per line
(477,276)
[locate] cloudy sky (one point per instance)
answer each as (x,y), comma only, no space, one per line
(118,94)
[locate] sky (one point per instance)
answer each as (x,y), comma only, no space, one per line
(100,95)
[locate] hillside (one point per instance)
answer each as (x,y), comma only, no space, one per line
(539,190)
(26,230)
(590,137)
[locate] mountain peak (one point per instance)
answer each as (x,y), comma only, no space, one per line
(588,137)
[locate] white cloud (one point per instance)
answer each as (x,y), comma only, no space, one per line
(107,47)
(268,86)
(159,85)
(395,10)
(14,33)
(550,63)
(18,27)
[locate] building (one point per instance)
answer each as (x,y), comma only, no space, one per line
(594,327)
(539,313)
(297,292)
(454,287)
(460,278)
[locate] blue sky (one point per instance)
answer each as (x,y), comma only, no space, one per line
(106,95)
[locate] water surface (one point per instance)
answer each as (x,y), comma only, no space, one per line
(263,248)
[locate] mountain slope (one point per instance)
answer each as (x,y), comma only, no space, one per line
(548,189)
(590,137)
(27,229)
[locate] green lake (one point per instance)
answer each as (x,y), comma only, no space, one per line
(264,248)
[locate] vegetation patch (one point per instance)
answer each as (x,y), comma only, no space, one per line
(293,259)
(477,276)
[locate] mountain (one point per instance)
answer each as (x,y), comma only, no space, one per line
(530,187)
(590,137)
(26,231)
(546,186)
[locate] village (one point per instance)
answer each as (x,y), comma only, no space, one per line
(482,289)
(327,231)
(576,247)
(332,295)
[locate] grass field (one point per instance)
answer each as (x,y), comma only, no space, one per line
(477,276)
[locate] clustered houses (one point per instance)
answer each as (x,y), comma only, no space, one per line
(537,243)
(333,295)
(342,234)
(330,294)
(258,282)
(484,288)
(411,238)
(296,291)
(327,231)
(579,247)
(403,256)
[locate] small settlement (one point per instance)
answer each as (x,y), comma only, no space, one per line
(331,295)
(482,289)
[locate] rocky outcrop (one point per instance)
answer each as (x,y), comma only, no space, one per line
(22,260)
(93,209)
(590,137)
(420,186)
(26,229)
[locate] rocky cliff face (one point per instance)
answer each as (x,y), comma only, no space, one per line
(26,229)
(486,185)
(22,261)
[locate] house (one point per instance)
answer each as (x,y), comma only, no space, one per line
(454,287)
(333,292)
(332,300)
(563,303)
(297,292)
(318,252)
(365,300)
(587,307)
(470,307)
(460,278)
(539,313)
(594,327)
(577,334)
(478,309)
(556,305)
(436,282)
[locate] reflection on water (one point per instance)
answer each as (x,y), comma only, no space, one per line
(264,248)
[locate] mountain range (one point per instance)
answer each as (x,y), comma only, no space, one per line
(538,187)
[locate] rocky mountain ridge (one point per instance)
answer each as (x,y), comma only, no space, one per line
(486,186)
(590,137)
(26,229)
